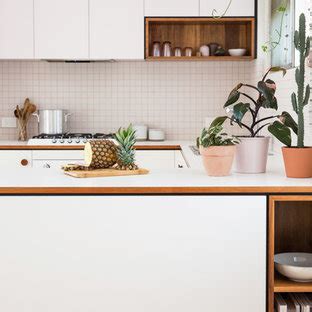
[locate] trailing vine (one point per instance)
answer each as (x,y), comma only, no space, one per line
(273,43)
(215,13)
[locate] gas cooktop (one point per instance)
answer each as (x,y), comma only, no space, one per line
(67,138)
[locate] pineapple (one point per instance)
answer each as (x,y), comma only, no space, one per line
(100,154)
(125,150)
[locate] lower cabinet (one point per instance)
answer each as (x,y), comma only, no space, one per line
(133,253)
(15,159)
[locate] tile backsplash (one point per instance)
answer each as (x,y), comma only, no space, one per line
(174,96)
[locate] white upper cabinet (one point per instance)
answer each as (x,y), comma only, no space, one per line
(172,7)
(61,29)
(16,29)
(237,7)
(116,29)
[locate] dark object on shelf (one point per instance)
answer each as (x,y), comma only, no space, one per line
(220,52)
(213,47)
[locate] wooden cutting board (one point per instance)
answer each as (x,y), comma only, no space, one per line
(97,173)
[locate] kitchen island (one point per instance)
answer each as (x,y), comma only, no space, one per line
(173,240)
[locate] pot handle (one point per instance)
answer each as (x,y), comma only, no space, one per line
(66,116)
(36,115)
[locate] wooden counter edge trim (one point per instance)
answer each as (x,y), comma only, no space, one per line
(154,190)
(79,147)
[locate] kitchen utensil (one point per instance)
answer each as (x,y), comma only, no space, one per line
(156,49)
(213,47)
(295,266)
(204,50)
(237,52)
(140,132)
(177,52)
(156,135)
(104,172)
(52,121)
(188,51)
(167,49)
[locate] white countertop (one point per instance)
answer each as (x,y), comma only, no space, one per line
(194,176)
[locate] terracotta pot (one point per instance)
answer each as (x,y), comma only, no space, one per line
(218,160)
(298,162)
(252,155)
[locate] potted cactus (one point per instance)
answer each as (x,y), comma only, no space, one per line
(297,160)
(252,152)
(217,148)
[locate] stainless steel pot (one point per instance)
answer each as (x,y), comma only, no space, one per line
(52,121)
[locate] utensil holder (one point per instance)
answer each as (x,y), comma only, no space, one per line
(22,130)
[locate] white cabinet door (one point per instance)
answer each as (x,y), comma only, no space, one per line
(171,8)
(16,29)
(116,29)
(61,29)
(156,159)
(133,253)
(237,7)
(15,159)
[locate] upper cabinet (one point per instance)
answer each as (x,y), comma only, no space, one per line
(236,8)
(172,7)
(61,29)
(16,29)
(116,29)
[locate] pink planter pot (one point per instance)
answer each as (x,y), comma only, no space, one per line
(218,160)
(252,155)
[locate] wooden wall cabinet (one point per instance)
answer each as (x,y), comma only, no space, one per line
(116,29)
(171,8)
(61,29)
(290,219)
(16,29)
(230,33)
(237,7)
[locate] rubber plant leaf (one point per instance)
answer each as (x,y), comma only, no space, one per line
(219,121)
(269,100)
(281,132)
(277,69)
(289,122)
(233,97)
(239,110)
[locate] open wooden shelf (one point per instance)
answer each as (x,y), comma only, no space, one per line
(290,219)
(282,284)
(200,58)
(230,33)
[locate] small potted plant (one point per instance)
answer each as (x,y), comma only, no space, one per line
(217,148)
(297,160)
(252,152)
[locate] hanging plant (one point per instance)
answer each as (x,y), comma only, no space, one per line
(215,13)
(274,42)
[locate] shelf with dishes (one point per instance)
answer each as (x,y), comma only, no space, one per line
(289,251)
(204,39)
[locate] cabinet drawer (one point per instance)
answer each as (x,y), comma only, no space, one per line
(46,154)
(15,159)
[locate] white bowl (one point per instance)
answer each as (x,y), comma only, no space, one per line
(296,266)
(237,52)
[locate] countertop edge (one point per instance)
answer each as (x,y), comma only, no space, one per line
(255,190)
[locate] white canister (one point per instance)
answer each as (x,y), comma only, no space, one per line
(156,135)
(204,50)
(140,132)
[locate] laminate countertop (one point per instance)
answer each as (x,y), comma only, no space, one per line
(192,180)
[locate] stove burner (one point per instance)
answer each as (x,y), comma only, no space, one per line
(74,135)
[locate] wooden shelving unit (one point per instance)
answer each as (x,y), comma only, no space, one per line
(290,220)
(230,33)
(282,284)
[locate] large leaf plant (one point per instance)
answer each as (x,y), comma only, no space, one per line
(239,103)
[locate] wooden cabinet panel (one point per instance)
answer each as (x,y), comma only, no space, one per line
(61,29)
(16,29)
(237,7)
(133,253)
(116,29)
(171,8)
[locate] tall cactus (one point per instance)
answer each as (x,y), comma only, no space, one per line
(299,101)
